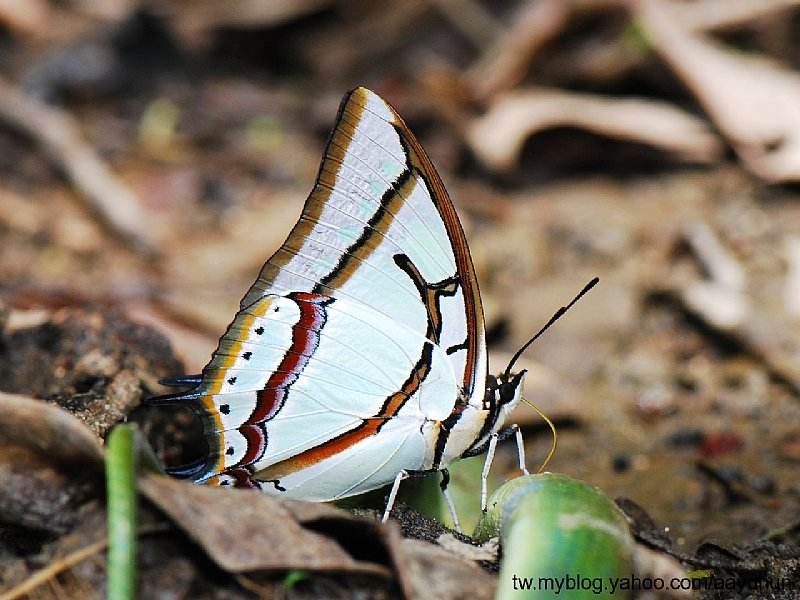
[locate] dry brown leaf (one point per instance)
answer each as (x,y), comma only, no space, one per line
(498,136)
(47,457)
(245,530)
(49,431)
(752,100)
(437,573)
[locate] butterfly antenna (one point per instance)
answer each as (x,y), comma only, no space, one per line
(552,429)
(558,314)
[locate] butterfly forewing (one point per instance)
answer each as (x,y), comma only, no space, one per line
(361,333)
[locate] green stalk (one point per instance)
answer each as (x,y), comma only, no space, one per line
(121,494)
(561,538)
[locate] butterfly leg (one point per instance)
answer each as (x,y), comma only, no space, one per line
(449,499)
(501,437)
(393,494)
(422,473)
(487,464)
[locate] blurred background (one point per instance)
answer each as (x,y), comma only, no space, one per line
(154,154)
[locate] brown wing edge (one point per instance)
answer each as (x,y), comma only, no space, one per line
(465,268)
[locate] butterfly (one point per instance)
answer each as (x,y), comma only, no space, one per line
(358,357)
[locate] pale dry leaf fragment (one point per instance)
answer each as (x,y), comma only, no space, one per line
(754,101)
(721,300)
(497,137)
(47,457)
(719,263)
(792,285)
(719,306)
(49,431)
(657,565)
(708,15)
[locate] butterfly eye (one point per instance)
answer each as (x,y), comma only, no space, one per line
(507,391)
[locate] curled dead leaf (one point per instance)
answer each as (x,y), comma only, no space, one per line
(498,136)
(49,431)
(50,463)
(751,99)
(247,531)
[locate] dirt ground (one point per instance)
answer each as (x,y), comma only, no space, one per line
(151,159)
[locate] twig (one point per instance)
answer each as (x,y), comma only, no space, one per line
(62,564)
(59,135)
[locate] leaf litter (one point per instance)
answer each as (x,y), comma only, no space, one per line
(681,367)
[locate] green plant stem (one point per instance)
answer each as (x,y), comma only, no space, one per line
(121,494)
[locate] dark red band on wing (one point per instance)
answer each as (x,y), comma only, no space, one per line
(270,399)
(305,339)
(256,437)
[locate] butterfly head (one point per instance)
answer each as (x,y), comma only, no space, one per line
(504,392)
(509,388)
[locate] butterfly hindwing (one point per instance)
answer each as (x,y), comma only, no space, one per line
(362,332)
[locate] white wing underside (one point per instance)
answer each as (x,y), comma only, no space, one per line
(360,334)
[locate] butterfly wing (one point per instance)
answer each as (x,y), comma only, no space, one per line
(378,195)
(361,333)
